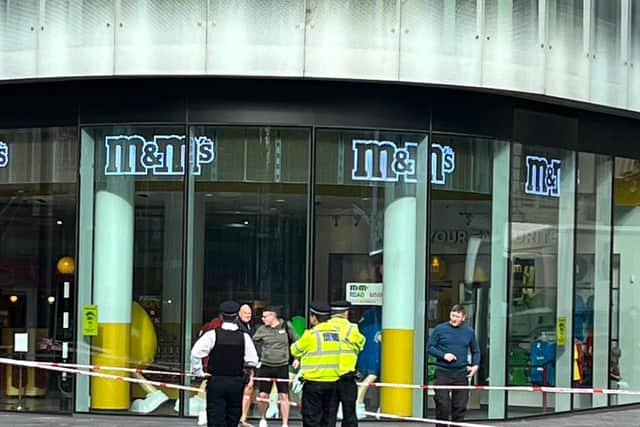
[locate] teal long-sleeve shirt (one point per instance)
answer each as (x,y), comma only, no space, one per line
(457,340)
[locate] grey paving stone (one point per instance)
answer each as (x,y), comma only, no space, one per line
(622,417)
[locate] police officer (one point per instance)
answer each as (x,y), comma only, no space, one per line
(230,351)
(319,352)
(351,343)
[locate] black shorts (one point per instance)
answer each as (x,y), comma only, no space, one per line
(279,372)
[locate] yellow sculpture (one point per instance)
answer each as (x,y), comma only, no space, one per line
(143,347)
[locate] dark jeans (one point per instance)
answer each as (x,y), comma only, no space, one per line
(224,401)
(347,394)
(451,403)
(318,404)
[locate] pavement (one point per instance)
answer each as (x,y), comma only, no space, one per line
(628,416)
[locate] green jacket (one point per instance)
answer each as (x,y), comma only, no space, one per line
(273,343)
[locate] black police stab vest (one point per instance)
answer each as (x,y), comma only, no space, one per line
(227,355)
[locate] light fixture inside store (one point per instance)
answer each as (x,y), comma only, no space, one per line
(438,268)
(13,299)
(51,299)
(208,195)
(245,222)
(236,225)
(280,200)
(169,301)
(375,252)
(59,222)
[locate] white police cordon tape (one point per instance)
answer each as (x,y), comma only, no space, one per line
(90,370)
(48,366)
(119,369)
(532,389)
(94,371)
(55,367)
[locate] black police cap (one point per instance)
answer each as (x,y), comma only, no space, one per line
(319,308)
(229,308)
(341,305)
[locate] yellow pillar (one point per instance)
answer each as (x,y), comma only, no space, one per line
(112,289)
(397,367)
(398,304)
(111,348)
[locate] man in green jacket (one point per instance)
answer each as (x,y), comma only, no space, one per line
(272,340)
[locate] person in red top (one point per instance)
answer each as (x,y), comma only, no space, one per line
(214,323)
(244,322)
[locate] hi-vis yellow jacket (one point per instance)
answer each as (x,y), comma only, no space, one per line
(319,352)
(351,343)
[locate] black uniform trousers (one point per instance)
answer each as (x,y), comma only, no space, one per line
(347,394)
(224,401)
(318,404)
(451,403)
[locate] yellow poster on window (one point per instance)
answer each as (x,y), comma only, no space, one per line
(561,330)
(90,320)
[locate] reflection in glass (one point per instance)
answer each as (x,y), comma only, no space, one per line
(542,193)
(137,261)
(38,237)
(248,216)
(369,248)
(462,254)
(592,278)
(623,368)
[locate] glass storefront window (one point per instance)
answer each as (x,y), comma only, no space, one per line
(542,216)
(38,181)
(370,247)
(137,260)
(623,368)
(468,220)
(247,238)
(592,290)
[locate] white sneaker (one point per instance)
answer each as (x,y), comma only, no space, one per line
(339,413)
(263,423)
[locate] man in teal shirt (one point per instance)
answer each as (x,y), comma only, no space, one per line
(450,343)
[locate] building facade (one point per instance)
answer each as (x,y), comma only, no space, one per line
(158,158)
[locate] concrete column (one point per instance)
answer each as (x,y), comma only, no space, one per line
(112,287)
(398,303)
